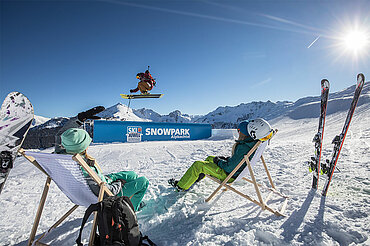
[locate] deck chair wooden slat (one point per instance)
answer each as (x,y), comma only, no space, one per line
(257,150)
(65,171)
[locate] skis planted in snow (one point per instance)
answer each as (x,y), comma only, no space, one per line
(315,161)
(329,166)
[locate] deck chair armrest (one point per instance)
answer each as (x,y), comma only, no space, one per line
(32,160)
(105,189)
(98,166)
(93,175)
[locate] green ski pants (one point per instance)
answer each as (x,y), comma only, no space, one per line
(135,186)
(198,167)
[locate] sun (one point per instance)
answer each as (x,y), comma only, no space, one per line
(351,42)
(356,40)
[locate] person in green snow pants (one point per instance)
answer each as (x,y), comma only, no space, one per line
(250,132)
(124,183)
(202,167)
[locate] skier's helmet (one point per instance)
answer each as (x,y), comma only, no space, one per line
(260,129)
(140,75)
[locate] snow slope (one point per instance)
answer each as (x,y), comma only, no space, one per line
(172,218)
(39,120)
(120,112)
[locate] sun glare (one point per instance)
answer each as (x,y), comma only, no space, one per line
(356,40)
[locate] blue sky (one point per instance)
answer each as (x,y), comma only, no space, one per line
(68,56)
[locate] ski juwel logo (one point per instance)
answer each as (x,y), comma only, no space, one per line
(134,133)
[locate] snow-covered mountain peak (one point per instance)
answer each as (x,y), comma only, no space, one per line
(119,111)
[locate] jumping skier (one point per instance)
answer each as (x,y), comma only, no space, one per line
(146,83)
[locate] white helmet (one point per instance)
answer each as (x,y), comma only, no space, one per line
(259,128)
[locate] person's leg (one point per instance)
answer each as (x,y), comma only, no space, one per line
(143,87)
(198,167)
(136,188)
(126,175)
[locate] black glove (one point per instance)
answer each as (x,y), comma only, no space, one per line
(131,91)
(90,114)
(216,159)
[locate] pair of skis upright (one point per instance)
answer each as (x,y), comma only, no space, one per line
(329,167)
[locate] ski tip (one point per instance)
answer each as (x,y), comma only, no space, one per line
(360,78)
(325,83)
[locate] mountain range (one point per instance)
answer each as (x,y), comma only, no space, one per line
(221,118)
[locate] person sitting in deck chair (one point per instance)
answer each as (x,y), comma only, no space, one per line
(220,167)
(124,183)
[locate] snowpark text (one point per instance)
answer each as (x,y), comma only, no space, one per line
(174,133)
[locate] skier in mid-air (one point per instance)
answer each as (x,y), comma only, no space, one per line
(146,83)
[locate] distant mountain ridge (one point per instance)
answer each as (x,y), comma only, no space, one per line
(230,116)
(42,134)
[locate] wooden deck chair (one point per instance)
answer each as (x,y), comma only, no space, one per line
(258,150)
(65,171)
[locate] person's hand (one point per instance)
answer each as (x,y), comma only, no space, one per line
(131,91)
(123,182)
(90,114)
(216,159)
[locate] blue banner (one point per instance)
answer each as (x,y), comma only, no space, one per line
(135,131)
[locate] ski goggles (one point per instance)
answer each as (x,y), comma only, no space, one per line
(268,136)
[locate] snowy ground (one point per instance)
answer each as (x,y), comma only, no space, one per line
(172,218)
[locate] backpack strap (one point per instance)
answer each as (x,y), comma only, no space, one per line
(90,209)
(103,229)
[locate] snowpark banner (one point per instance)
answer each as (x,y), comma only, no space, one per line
(135,131)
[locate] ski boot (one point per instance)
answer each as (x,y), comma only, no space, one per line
(173,183)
